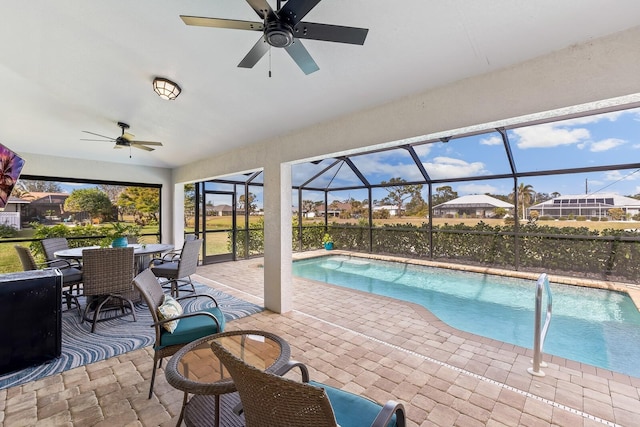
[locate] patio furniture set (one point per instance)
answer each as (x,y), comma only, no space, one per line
(228,378)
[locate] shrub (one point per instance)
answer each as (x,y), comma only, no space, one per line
(545,218)
(581,218)
(381,214)
(595,218)
(7,230)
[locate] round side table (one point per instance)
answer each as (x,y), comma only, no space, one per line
(196,370)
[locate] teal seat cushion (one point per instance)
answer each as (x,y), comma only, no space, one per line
(350,409)
(192,328)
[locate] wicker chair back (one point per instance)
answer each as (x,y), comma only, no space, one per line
(272,400)
(26,258)
(50,246)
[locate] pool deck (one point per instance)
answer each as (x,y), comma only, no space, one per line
(368,344)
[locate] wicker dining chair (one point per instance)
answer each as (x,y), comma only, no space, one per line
(50,246)
(272,400)
(174,254)
(177,270)
(108,283)
(71,276)
(53,244)
(191,325)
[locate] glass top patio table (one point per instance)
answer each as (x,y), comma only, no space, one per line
(141,252)
(195,369)
(138,250)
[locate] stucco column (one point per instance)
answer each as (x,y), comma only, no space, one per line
(177,236)
(277,237)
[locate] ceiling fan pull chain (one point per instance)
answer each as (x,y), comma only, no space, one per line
(269,61)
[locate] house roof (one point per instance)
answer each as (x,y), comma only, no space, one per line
(474,201)
(618,200)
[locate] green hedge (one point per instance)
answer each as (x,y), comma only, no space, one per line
(579,251)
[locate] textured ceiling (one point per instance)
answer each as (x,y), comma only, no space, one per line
(68,66)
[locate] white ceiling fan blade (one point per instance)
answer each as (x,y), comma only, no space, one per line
(142,147)
(158,144)
(97,134)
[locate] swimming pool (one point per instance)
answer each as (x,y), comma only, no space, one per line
(594,326)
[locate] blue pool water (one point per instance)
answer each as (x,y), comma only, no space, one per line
(593,326)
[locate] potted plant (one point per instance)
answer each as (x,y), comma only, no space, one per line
(117,235)
(327,241)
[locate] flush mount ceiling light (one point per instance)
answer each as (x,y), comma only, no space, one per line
(166,88)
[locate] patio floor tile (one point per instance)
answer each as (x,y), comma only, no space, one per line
(371,345)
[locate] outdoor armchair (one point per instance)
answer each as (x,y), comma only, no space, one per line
(71,276)
(108,275)
(50,246)
(173,255)
(178,268)
(272,400)
(191,325)
(53,244)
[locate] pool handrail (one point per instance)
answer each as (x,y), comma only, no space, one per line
(538,335)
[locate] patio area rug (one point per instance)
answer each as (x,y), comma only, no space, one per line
(117,336)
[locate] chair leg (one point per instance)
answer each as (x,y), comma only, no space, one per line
(157,364)
(133,312)
(193,288)
(175,289)
(67,297)
(97,312)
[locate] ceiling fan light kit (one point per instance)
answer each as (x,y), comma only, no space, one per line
(166,89)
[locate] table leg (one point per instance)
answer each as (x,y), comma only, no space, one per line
(217,420)
(184,403)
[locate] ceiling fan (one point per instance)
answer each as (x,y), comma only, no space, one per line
(284,28)
(125,139)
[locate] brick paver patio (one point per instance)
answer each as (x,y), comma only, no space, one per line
(367,344)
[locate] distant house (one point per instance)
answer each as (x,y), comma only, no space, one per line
(591,205)
(12,213)
(335,209)
(35,207)
(219,210)
(474,206)
(393,209)
(46,206)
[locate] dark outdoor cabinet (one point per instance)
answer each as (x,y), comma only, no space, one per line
(30,318)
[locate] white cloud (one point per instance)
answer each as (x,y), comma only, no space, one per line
(617,176)
(549,135)
(612,117)
(606,144)
(492,140)
(476,189)
(447,167)
(423,150)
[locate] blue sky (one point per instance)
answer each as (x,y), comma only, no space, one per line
(597,140)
